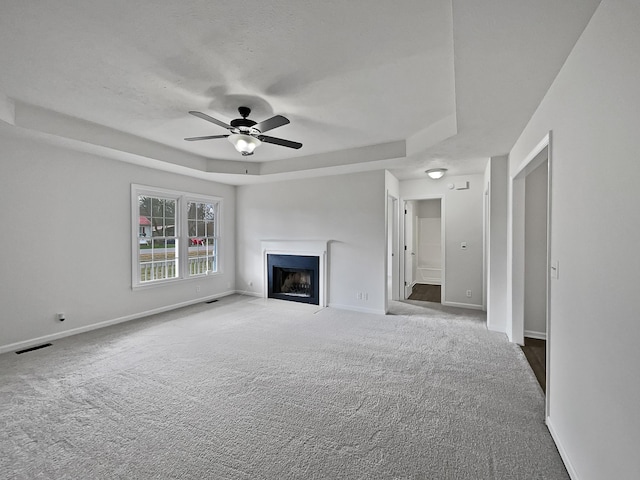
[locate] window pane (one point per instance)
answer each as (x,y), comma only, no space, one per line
(209,212)
(172,259)
(200,229)
(170,212)
(160,261)
(155,207)
(144,205)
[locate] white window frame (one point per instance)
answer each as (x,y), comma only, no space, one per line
(181,233)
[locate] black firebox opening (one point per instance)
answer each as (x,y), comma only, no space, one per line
(294,278)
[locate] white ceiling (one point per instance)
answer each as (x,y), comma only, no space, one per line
(404,85)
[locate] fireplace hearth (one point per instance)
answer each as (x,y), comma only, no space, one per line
(294,278)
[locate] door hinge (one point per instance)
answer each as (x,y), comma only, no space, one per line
(405,248)
(405,211)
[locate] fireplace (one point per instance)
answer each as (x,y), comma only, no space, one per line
(295,270)
(294,278)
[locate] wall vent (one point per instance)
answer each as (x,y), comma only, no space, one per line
(37,347)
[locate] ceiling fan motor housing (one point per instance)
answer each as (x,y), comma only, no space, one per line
(244,125)
(242,122)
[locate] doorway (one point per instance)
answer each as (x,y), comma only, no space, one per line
(530,260)
(392,287)
(535,268)
(424,250)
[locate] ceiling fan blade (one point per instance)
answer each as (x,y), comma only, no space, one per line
(280,141)
(206,117)
(271,123)
(208,137)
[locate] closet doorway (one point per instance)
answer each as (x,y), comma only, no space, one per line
(530,267)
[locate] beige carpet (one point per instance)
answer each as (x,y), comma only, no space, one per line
(253,389)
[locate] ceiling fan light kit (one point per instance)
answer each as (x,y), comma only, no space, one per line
(246,135)
(436,173)
(245,144)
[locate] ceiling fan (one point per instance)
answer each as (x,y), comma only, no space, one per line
(246,134)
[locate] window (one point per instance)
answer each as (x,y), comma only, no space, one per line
(201,222)
(158,255)
(176,235)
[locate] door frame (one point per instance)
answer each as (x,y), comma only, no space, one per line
(392,227)
(408,242)
(486,250)
(442,241)
(516,250)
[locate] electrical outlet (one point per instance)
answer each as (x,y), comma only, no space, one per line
(366,296)
(469,293)
(197,288)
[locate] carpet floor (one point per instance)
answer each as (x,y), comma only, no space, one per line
(254,389)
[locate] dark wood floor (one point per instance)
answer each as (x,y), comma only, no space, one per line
(536,352)
(426,293)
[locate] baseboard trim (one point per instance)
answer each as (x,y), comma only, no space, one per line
(248,293)
(497,328)
(536,335)
(573,474)
(470,306)
(107,323)
(354,308)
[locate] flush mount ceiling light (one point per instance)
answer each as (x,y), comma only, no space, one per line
(436,173)
(243,143)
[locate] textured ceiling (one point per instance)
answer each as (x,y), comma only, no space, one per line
(430,82)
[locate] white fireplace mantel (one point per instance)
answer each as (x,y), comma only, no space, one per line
(313,248)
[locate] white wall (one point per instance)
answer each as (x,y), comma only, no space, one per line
(347,210)
(66,224)
(429,208)
(535,258)
(495,178)
(462,211)
(592,110)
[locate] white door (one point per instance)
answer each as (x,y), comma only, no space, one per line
(409,249)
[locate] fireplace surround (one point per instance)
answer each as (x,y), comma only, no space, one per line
(295,270)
